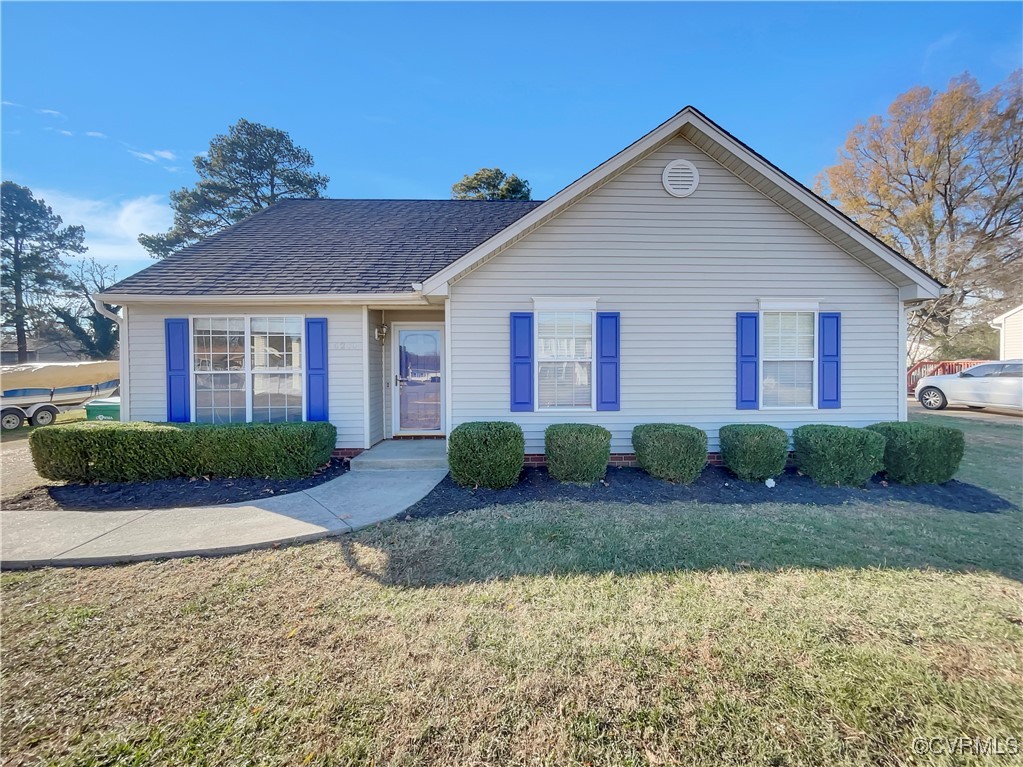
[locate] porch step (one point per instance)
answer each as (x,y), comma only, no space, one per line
(403,455)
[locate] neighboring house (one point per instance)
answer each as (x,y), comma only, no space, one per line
(39,351)
(684,280)
(1010,333)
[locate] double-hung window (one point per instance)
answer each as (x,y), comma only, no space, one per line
(789,344)
(247,369)
(564,346)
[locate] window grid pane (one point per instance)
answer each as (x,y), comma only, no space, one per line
(220,398)
(276,343)
(789,352)
(788,383)
(276,397)
(270,345)
(565,359)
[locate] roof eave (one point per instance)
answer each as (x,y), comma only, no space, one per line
(340,299)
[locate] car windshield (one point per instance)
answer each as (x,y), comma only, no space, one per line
(982,371)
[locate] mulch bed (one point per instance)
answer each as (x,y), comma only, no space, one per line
(715,485)
(167,493)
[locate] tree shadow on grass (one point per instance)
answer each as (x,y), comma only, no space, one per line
(570,537)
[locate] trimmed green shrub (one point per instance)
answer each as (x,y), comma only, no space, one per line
(577,452)
(107,451)
(486,454)
(838,455)
(917,453)
(670,451)
(754,451)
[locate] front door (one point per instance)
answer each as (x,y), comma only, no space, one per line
(418,378)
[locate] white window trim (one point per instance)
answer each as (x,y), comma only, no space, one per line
(568,304)
(247,369)
(788,307)
(576,306)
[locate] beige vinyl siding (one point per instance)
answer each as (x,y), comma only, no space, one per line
(148,366)
(678,270)
(376,379)
(1012,336)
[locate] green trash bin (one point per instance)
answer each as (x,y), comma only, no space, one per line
(108,409)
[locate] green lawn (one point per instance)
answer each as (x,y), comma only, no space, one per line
(543,635)
(68,416)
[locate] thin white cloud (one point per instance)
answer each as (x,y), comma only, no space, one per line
(937,47)
(50,112)
(65,133)
(165,154)
(95,134)
(112,226)
(144,156)
(10,104)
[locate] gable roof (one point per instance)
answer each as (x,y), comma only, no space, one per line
(1001,318)
(914,284)
(322,246)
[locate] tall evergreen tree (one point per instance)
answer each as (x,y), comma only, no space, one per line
(250,168)
(34,245)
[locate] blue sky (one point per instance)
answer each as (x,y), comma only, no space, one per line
(106,104)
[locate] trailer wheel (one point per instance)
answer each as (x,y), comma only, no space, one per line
(44,416)
(11,419)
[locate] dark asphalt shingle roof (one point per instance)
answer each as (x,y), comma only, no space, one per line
(329,246)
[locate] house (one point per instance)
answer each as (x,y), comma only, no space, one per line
(686,279)
(1010,333)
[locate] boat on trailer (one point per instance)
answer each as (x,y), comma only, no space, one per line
(38,391)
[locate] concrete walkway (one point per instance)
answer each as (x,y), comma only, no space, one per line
(72,538)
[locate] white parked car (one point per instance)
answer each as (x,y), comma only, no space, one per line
(991,384)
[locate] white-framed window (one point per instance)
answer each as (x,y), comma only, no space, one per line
(247,368)
(564,359)
(788,343)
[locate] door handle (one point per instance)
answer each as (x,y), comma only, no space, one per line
(398,380)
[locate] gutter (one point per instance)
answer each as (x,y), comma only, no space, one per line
(101,308)
(122,346)
(355,299)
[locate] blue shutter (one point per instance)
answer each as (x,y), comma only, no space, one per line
(522,361)
(608,363)
(316,369)
(178,397)
(747,341)
(829,360)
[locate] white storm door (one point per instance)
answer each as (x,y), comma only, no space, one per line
(418,364)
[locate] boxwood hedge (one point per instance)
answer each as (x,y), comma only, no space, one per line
(917,453)
(107,451)
(670,451)
(577,452)
(754,451)
(838,455)
(486,454)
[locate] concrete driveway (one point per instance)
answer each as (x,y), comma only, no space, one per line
(17,472)
(987,414)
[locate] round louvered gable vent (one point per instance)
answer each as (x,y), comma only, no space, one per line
(680,178)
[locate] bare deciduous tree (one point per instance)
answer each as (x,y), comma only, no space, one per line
(940,179)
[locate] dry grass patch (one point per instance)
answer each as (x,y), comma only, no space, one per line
(545,636)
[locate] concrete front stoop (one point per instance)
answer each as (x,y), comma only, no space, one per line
(404,455)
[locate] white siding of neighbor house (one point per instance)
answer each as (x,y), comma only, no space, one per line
(678,269)
(147,375)
(1011,336)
